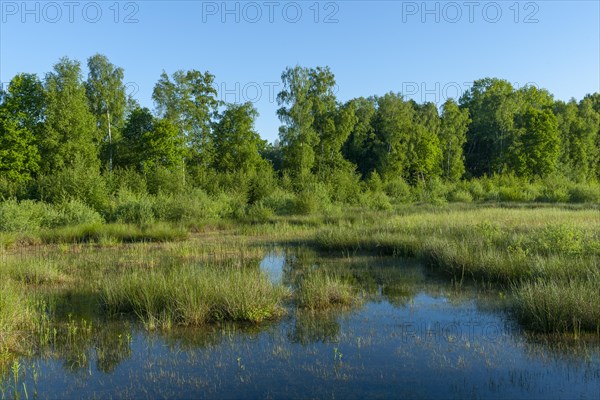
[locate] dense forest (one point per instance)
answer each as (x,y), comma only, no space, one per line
(83,143)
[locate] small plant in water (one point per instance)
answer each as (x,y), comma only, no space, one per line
(337,356)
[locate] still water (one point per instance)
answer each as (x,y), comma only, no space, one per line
(414,336)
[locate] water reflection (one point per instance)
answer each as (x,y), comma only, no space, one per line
(415,335)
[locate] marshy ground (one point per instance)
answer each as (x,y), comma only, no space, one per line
(484,300)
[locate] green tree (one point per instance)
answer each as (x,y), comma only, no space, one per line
(189,100)
(163,146)
(492,105)
(237,145)
(425,154)
(393,126)
(454,126)
(21,120)
(298,136)
(359,147)
(107,100)
(19,157)
(70,132)
(131,151)
(535,149)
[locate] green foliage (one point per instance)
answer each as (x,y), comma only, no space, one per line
(534,149)
(30,217)
(24,216)
(19,157)
(107,100)
(21,115)
(237,146)
(313,197)
(460,196)
(433,191)
(70,132)
(133,209)
(397,189)
(79,182)
(453,137)
(73,212)
(189,99)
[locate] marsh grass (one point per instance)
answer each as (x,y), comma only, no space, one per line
(194,295)
(15,317)
(319,291)
(559,307)
(549,256)
(114,233)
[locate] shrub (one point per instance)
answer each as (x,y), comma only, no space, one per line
(126,179)
(258,212)
(24,216)
(133,209)
(554,190)
(398,190)
(189,207)
(377,200)
(281,201)
(582,193)
(460,196)
(73,212)
(312,198)
(432,191)
(78,183)
(476,190)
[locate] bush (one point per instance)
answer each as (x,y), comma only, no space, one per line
(432,191)
(126,180)
(73,212)
(376,200)
(476,189)
(163,180)
(78,183)
(312,198)
(460,196)
(281,201)
(258,212)
(398,190)
(190,207)
(133,209)
(24,216)
(582,193)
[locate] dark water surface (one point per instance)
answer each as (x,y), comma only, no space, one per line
(415,336)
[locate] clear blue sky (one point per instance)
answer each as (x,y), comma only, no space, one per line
(372,46)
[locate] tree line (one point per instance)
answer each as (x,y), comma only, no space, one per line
(89,125)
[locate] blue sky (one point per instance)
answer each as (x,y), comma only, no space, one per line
(429,51)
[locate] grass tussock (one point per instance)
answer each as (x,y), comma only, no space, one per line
(559,306)
(320,291)
(15,317)
(194,295)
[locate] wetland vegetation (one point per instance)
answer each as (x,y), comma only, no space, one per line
(139,238)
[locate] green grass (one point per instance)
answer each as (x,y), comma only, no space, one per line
(571,306)
(546,258)
(194,295)
(114,233)
(549,255)
(320,291)
(15,318)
